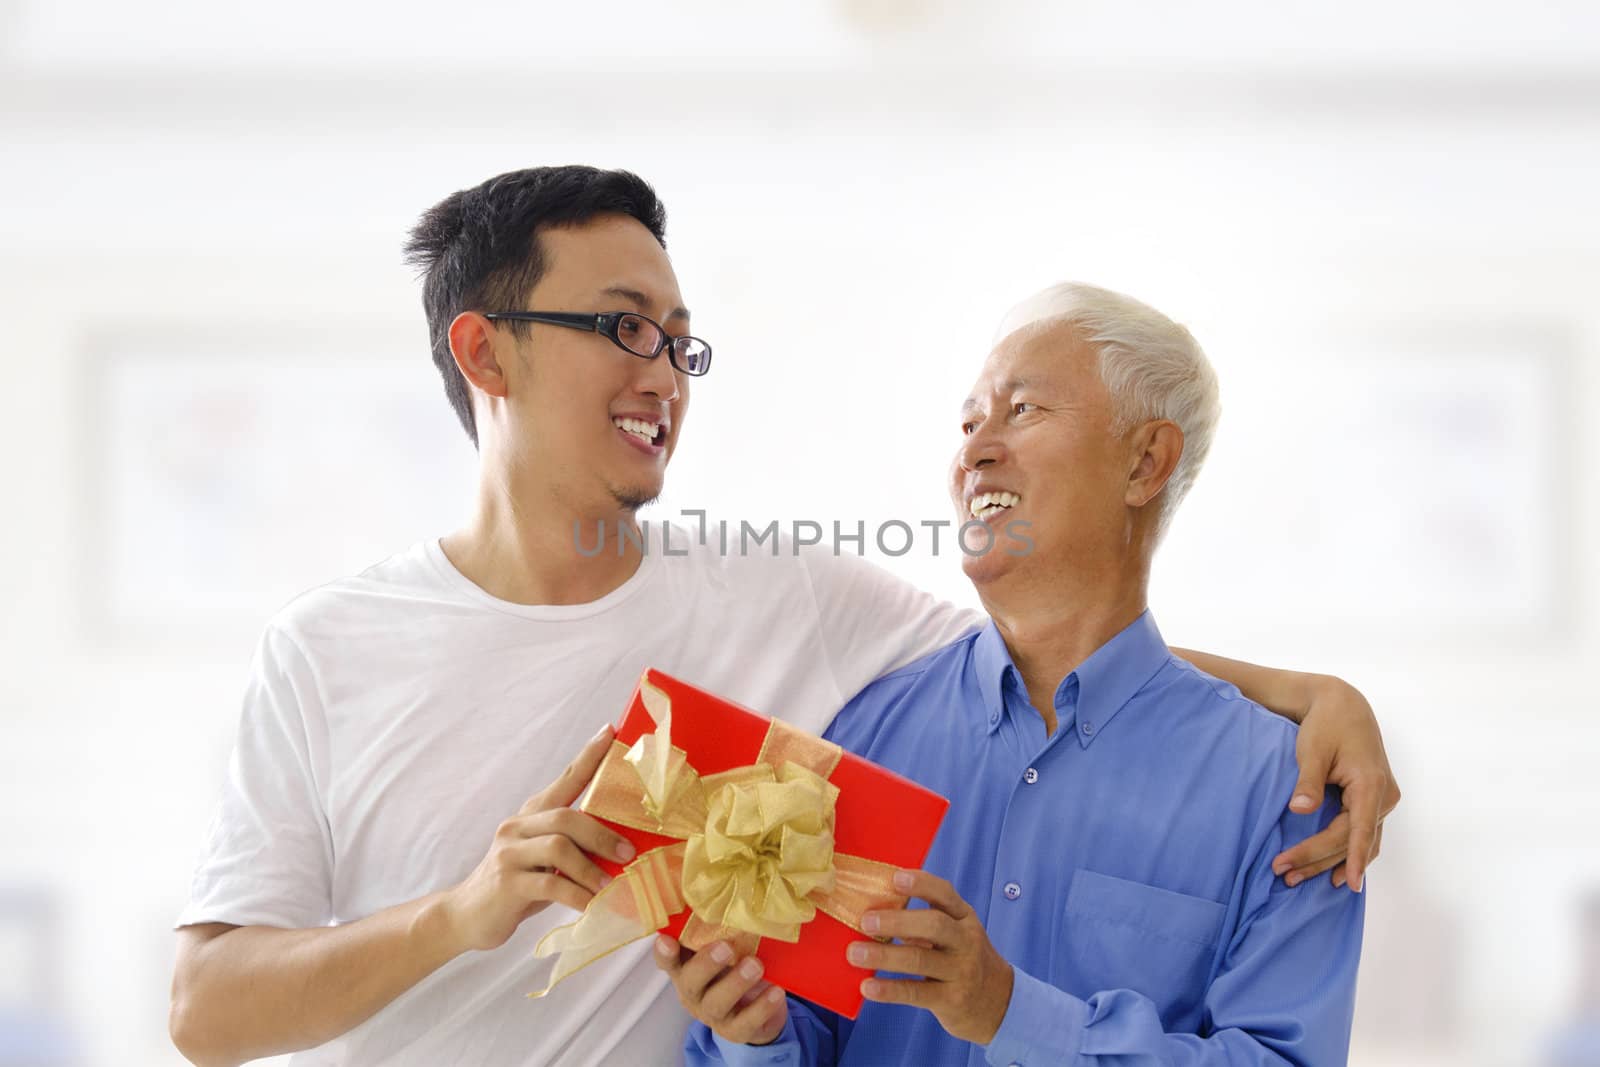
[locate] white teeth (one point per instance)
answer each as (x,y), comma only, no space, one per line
(645,431)
(985,504)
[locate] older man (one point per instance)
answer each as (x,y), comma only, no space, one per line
(1102,891)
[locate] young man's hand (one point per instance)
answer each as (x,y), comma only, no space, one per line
(726,994)
(1340,744)
(962,978)
(537,858)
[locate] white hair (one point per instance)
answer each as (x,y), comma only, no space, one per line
(1152,367)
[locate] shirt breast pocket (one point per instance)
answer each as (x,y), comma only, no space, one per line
(1129,935)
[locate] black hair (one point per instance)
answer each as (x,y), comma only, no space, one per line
(478,249)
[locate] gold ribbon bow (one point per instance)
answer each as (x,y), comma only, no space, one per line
(755,854)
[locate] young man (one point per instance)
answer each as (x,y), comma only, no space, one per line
(394,823)
(1102,891)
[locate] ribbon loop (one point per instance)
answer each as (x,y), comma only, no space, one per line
(766,845)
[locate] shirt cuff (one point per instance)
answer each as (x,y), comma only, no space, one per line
(1042,1025)
(784,1052)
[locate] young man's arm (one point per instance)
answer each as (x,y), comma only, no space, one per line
(1288,693)
(1340,745)
(242,992)
(239,993)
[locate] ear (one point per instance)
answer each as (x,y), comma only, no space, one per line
(472,345)
(1156,448)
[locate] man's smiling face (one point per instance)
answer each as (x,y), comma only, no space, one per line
(1038,447)
(594,422)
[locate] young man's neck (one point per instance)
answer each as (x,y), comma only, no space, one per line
(544,552)
(1052,623)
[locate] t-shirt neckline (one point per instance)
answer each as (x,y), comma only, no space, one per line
(460,583)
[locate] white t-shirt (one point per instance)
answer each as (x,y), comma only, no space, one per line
(392,720)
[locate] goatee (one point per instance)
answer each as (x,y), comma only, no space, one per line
(632,500)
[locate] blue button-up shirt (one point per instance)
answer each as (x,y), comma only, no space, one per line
(1122,866)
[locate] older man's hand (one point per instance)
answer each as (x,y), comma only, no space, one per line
(725,993)
(1340,744)
(962,979)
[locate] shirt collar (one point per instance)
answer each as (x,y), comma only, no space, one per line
(1107,680)
(993,661)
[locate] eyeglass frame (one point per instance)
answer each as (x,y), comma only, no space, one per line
(605,323)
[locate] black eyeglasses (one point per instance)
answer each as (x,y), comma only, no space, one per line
(629,331)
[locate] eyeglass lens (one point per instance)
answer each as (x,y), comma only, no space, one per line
(643,337)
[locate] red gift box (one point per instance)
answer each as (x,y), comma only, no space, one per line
(878,815)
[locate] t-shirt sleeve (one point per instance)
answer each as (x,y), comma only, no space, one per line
(268,853)
(873,622)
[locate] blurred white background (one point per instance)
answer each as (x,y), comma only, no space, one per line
(1380,219)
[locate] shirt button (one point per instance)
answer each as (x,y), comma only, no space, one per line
(1012,891)
(1030,775)
(1087,728)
